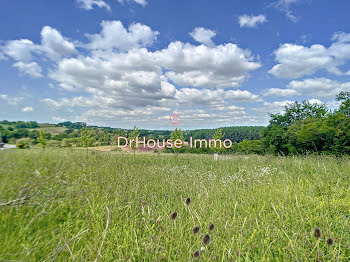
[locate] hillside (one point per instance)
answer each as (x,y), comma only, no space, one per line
(69,130)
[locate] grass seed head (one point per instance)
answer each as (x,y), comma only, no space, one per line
(317,233)
(206,240)
(211,227)
(195,230)
(196,254)
(188,201)
(330,241)
(173,216)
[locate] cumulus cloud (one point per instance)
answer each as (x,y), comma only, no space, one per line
(221,66)
(209,97)
(118,75)
(89,4)
(203,36)
(251,20)
(27,109)
(20,50)
(32,69)
(115,36)
(319,87)
(274,107)
(279,92)
(53,45)
(127,78)
(295,61)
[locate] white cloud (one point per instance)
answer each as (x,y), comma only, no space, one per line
(140,2)
(251,20)
(54,45)
(27,109)
(295,61)
(20,50)
(341,37)
(221,66)
(315,101)
(11,100)
(215,98)
(89,4)
(279,92)
(285,7)
(32,69)
(274,107)
(123,77)
(203,36)
(118,77)
(319,87)
(58,119)
(115,35)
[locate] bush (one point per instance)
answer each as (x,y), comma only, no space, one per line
(12,141)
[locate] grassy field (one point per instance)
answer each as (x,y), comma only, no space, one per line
(116,207)
(53,130)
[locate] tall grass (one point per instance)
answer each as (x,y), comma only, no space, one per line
(262,208)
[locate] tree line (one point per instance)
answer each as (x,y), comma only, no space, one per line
(309,128)
(302,128)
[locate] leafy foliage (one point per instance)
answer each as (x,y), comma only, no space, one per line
(309,128)
(42,140)
(133,135)
(177,134)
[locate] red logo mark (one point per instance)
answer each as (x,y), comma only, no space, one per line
(175,119)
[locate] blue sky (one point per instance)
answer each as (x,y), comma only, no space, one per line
(122,63)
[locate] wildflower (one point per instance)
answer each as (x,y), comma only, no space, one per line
(196,254)
(317,233)
(195,230)
(188,201)
(173,216)
(206,239)
(211,227)
(330,241)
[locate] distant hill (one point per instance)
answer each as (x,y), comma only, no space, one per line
(60,131)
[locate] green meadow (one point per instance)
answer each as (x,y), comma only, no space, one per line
(67,205)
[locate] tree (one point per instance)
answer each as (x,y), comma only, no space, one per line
(311,135)
(86,140)
(177,134)
(134,134)
(344,98)
(274,137)
(298,111)
(218,135)
(41,139)
(251,147)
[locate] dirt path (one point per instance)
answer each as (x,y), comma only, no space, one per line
(7,146)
